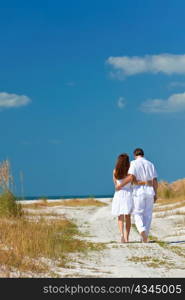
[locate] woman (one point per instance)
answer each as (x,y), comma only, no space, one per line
(122,203)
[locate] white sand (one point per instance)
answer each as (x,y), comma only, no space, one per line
(116,260)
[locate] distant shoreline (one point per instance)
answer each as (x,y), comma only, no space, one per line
(30,198)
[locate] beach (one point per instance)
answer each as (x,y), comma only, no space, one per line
(163,256)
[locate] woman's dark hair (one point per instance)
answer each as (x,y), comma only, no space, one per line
(122,166)
(138,152)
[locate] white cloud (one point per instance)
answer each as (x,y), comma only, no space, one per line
(162,63)
(121,102)
(13,100)
(175,103)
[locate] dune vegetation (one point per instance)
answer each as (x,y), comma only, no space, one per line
(24,243)
(9,207)
(171,192)
(70,202)
(28,240)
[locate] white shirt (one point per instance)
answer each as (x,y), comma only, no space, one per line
(143,170)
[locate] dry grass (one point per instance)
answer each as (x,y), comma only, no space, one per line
(178,187)
(9,206)
(69,203)
(175,205)
(180,213)
(175,189)
(24,242)
(12,261)
(174,249)
(83,202)
(179,251)
(172,194)
(167,201)
(164,190)
(151,262)
(33,213)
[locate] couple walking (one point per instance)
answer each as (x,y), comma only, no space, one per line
(135,192)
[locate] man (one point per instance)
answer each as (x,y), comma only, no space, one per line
(143,195)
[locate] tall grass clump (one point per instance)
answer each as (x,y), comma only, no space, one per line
(165,190)
(27,242)
(8,205)
(178,187)
(169,193)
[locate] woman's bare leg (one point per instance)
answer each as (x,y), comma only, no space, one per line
(128,226)
(121,227)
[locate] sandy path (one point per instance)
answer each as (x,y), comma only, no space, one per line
(117,259)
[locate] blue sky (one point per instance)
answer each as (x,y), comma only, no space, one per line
(82,82)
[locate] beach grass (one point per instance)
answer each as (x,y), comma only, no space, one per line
(152,262)
(167,201)
(174,205)
(30,213)
(174,249)
(169,191)
(9,206)
(69,203)
(23,243)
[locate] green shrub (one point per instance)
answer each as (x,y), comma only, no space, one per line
(8,205)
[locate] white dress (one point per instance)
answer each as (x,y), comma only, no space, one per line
(122,203)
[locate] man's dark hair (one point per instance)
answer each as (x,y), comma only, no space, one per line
(138,152)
